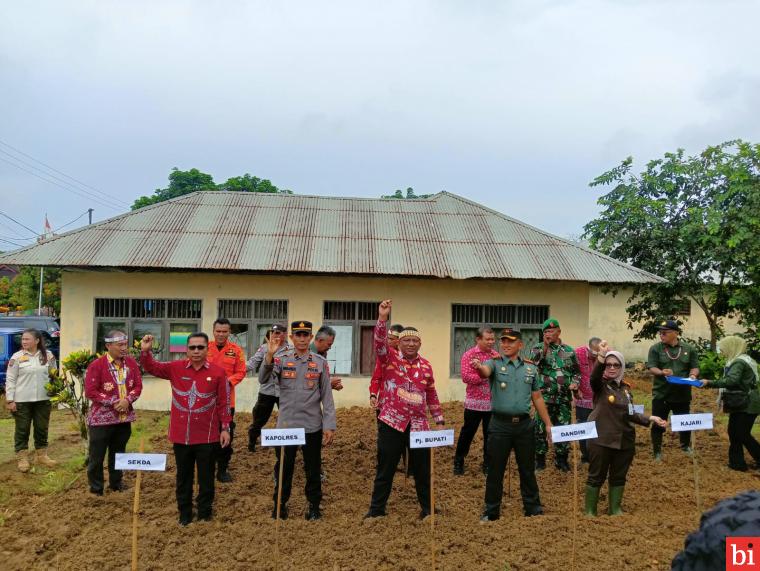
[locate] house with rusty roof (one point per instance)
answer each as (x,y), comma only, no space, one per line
(449,264)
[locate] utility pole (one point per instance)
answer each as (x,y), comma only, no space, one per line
(89,212)
(39,302)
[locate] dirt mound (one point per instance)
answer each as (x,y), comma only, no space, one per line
(75,530)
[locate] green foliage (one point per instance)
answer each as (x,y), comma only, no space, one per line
(185,182)
(66,387)
(23,291)
(711,365)
(692,220)
(410,195)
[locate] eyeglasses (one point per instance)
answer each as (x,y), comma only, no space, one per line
(196,347)
(612,365)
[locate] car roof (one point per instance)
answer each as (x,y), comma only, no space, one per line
(11,330)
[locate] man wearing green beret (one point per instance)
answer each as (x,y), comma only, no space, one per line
(559,374)
(671,357)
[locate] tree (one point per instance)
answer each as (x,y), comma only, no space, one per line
(23,291)
(185,182)
(689,219)
(410,195)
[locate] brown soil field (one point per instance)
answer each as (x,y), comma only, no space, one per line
(75,530)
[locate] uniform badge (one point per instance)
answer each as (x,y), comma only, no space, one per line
(23,359)
(208,378)
(310,384)
(108,386)
(611,398)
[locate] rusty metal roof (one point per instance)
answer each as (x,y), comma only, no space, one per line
(445,236)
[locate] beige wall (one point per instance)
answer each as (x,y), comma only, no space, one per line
(425,304)
(609,320)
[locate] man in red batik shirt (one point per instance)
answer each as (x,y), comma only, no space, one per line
(200,404)
(408,389)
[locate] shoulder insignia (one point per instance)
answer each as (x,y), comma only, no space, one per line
(11,362)
(528,362)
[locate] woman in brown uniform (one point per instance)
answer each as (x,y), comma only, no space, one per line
(612,451)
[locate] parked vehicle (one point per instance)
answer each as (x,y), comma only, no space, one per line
(41,322)
(10,342)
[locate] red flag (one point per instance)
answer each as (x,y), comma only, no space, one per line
(48,230)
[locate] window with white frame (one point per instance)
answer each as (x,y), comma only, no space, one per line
(352,352)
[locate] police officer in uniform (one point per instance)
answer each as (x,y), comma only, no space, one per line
(514,386)
(305,402)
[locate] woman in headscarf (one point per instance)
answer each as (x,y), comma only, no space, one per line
(611,453)
(741,400)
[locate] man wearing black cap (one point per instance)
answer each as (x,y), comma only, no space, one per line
(514,386)
(305,402)
(671,357)
(269,392)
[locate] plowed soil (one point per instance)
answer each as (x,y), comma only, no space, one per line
(74,530)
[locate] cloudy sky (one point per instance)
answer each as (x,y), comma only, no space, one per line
(516,105)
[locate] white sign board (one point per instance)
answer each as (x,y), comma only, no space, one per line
(283,437)
(638,408)
(682,422)
(431,438)
(135,461)
(569,432)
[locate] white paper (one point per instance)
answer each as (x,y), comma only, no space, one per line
(431,438)
(682,422)
(570,432)
(638,408)
(135,461)
(283,437)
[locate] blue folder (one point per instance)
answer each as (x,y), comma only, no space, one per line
(683,381)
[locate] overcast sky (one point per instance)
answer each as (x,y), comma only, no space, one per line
(516,105)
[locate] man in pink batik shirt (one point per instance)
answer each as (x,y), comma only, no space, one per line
(477,399)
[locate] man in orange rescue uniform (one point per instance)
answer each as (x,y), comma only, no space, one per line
(229,356)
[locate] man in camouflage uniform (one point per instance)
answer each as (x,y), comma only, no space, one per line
(560,374)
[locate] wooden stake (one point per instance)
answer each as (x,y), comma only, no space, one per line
(432,508)
(277,513)
(696,473)
(574,448)
(136,510)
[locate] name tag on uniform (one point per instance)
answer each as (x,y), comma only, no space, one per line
(570,432)
(149,462)
(682,422)
(283,437)
(431,438)
(638,408)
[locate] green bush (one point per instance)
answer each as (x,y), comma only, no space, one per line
(711,365)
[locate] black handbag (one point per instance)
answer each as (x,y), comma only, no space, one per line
(735,401)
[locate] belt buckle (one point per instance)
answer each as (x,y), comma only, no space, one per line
(515,419)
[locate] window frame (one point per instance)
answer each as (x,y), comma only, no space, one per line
(356,330)
(455,361)
(253,322)
(129,321)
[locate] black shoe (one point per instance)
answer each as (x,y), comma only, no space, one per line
(96,492)
(120,487)
(738,468)
(487,517)
(561,464)
(204,517)
(252,447)
(424,512)
(224,476)
(540,462)
(313,513)
(371,515)
(283,512)
(537,511)
(185,520)
(458,466)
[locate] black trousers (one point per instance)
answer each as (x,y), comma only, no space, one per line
(604,461)
(472,419)
(224,455)
(740,437)
(111,438)
(262,411)
(188,458)
(662,408)
(312,465)
(581,415)
(503,437)
(390,446)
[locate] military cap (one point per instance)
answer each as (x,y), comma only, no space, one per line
(550,324)
(298,326)
(511,334)
(279,328)
(668,325)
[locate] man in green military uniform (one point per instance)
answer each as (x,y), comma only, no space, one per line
(671,357)
(514,385)
(559,374)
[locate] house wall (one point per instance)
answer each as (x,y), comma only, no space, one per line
(425,304)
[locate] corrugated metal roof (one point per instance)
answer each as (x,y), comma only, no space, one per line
(445,236)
